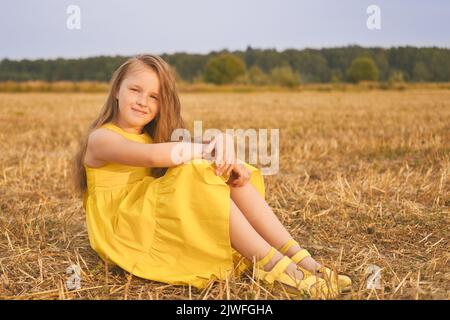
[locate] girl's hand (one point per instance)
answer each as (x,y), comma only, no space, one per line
(222,148)
(239,176)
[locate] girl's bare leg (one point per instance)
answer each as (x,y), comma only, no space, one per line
(265,222)
(249,243)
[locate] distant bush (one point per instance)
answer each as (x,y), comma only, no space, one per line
(396,80)
(223,69)
(363,68)
(258,77)
(284,76)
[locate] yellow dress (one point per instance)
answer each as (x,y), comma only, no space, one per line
(173,229)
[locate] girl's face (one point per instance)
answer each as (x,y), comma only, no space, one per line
(138,98)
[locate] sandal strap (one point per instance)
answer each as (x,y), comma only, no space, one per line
(318,288)
(300,255)
(306,273)
(328,273)
(278,269)
(287,245)
(267,257)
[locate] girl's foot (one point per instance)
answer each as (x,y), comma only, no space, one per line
(304,260)
(308,263)
(277,269)
(291,270)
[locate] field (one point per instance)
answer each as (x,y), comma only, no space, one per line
(364,180)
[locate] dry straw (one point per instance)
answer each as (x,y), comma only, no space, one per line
(364,180)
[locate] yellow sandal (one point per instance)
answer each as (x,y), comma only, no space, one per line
(344,283)
(310,286)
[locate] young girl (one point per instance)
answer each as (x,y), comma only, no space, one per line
(186,220)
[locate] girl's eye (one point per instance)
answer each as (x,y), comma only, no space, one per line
(134,89)
(154,97)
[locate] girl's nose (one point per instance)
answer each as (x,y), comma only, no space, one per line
(141,101)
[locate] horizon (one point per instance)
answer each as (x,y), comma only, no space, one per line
(231,51)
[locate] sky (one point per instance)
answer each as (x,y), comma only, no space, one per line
(31,29)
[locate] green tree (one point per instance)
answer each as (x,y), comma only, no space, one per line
(315,65)
(257,76)
(421,72)
(312,65)
(224,68)
(382,62)
(363,68)
(284,76)
(396,79)
(336,76)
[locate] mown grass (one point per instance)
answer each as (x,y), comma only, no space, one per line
(364,179)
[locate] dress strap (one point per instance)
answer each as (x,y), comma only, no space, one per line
(144,137)
(109,126)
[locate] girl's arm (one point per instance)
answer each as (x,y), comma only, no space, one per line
(105,145)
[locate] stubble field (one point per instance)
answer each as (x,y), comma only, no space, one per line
(363,180)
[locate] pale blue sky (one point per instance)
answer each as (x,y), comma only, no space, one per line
(37,29)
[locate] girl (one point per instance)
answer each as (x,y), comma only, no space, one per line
(185,220)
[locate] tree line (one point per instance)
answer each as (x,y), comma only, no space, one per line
(258,66)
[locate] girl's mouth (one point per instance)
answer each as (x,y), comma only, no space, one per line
(138,111)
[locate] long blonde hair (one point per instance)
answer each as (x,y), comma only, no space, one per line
(160,128)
